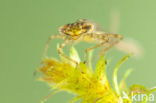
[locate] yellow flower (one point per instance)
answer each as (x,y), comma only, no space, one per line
(89,86)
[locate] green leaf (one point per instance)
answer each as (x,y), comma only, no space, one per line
(74,55)
(100,67)
(115,81)
(122,85)
(152,89)
(100,72)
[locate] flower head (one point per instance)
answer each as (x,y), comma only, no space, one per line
(91,87)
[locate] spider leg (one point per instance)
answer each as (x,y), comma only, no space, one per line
(60,51)
(117,38)
(94,47)
(48,96)
(46,49)
(48,42)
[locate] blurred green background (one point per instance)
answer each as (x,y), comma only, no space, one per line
(25,26)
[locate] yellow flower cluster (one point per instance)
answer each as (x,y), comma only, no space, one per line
(89,86)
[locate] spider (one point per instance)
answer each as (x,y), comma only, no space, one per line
(83,30)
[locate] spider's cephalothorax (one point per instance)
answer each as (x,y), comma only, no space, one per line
(75,30)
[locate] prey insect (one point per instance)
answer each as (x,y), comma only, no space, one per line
(83,30)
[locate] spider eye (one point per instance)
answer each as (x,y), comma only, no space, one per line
(86,28)
(63,30)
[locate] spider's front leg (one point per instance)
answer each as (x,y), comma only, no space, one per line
(94,47)
(117,38)
(48,96)
(48,42)
(46,48)
(60,51)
